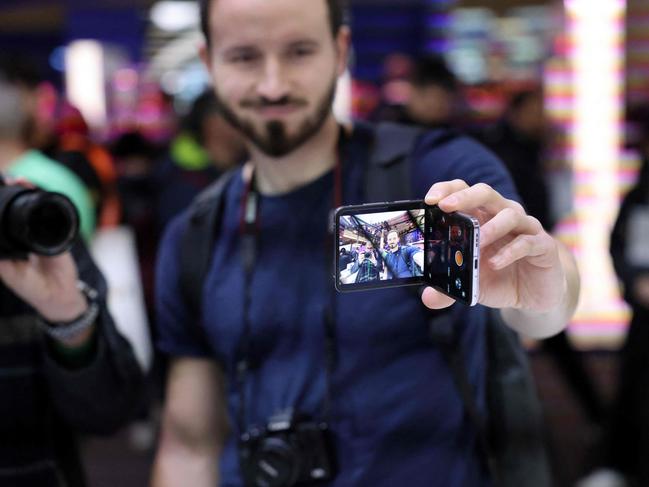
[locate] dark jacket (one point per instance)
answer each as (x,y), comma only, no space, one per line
(638,196)
(44,404)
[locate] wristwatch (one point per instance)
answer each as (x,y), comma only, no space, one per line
(67,330)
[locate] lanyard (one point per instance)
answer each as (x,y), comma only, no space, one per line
(250,232)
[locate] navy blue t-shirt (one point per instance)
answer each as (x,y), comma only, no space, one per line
(396,416)
(400,262)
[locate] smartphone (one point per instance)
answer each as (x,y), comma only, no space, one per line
(406,243)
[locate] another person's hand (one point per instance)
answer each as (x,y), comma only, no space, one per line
(48,284)
(520,265)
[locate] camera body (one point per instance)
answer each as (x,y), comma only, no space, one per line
(35,221)
(289,451)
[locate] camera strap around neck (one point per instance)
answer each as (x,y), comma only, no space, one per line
(250,233)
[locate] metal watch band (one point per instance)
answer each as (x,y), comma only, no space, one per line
(70,329)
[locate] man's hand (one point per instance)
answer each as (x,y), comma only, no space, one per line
(522,267)
(48,284)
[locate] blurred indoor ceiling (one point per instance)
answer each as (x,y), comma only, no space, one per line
(48,16)
(31,16)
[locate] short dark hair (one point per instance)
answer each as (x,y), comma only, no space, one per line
(432,69)
(337,9)
(20,71)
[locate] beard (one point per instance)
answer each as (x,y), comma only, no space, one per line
(273,139)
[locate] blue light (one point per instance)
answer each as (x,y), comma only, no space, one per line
(57,59)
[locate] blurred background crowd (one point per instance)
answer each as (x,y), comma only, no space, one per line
(559,90)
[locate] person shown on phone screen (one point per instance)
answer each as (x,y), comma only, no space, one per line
(401,259)
(368,269)
(275,336)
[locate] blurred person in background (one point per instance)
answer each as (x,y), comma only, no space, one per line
(19,159)
(75,149)
(434,100)
(64,368)
(428,95)
(206,147)
(135,157)
(625,444)
(58,130)
(520,140)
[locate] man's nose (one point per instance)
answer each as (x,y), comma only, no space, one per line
(273,85)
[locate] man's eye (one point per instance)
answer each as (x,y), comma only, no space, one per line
(300,52)
(246,57)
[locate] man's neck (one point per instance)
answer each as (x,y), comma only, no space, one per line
(9,152)
(317,156)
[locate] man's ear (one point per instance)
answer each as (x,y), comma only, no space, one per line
(204,54)
(343,43)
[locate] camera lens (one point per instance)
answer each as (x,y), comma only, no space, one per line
(276,464)
(42,222)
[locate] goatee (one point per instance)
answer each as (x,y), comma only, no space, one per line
(273,140)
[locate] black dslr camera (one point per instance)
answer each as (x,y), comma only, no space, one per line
(35,221)
(289,451)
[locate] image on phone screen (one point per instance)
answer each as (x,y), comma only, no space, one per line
(380,248)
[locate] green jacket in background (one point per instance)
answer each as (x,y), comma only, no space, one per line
(49,175)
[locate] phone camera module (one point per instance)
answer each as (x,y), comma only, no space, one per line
(459,258)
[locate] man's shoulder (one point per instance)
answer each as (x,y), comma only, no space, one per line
(203,202)
(446,144)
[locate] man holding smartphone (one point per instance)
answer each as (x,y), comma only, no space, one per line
(401,260)
(360,372)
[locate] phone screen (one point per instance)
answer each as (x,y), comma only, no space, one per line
(452,248)
(380,248)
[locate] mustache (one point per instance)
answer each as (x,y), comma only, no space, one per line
(262,102)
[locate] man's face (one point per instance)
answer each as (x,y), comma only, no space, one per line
(393,240)
(274,67)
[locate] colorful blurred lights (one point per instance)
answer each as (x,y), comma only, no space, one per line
(596,56)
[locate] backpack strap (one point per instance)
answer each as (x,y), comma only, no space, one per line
(197,245)
(442,332)
(387,174)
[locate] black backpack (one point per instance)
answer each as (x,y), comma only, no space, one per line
(511,435)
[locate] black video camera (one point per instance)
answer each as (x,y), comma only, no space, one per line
(35,221)
(289,451)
